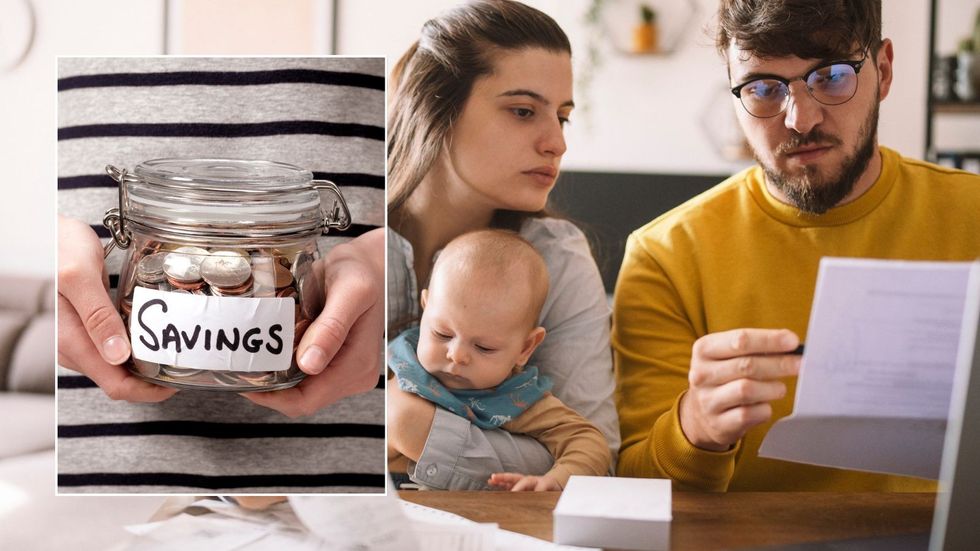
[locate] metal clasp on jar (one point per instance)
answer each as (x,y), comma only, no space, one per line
(334,217)
(114,220)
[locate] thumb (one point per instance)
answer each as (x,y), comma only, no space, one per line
(100,319)
(80,282)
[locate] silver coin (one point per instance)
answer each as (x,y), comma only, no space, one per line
(147,369)
(150,269)
(184,264)
(225,269)
(258,378)
(179,372)
(226,378)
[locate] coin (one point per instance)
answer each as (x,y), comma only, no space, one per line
(179,372)
(287,292)
(284,278)
(183,265)
(149,271)
(243,290)
(147,369)
(189,287)
(257,378)
(225,269)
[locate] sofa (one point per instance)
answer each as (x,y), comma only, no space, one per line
(27,360)
(31,515)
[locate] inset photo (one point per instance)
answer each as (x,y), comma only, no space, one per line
(221,275)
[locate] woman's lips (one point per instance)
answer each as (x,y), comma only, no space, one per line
(543,175)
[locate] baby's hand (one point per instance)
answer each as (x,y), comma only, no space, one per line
(517,482)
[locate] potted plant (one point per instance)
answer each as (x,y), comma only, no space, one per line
(645,33)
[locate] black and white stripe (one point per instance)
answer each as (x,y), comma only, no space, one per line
(322,114)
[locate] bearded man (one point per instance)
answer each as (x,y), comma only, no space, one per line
(715,295)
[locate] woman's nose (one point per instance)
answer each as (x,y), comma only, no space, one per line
(552,142)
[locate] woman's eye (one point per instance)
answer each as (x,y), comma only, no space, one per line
(522,112)
(563,120)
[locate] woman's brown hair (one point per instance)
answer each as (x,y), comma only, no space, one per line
(433,79)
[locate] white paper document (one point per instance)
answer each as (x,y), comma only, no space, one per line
(874,389)
(322,523)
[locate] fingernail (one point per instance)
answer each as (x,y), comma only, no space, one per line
(115,350)
(789,340)
(313,360)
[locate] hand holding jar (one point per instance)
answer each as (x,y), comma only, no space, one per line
(91,337)
(341,351)
(223,289)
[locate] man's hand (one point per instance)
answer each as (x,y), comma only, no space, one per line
(517,482)
(341,350)
(91,337)
(734,376)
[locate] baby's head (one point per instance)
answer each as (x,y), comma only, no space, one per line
(480,312)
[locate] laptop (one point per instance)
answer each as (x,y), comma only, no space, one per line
(956,520)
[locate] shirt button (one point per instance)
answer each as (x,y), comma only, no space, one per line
(431,470)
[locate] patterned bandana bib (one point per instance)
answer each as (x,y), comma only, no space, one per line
(485,408)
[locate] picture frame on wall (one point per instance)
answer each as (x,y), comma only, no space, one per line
(249,27)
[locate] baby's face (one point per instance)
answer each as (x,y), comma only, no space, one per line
(473,334)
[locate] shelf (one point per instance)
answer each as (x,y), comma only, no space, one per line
(956,107)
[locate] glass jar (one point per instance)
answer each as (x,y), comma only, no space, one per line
(218,283)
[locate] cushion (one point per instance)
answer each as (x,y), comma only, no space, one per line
(12,323)
(23,293)
(32,367)
(28,423)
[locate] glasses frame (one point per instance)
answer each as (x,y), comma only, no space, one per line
(854,64)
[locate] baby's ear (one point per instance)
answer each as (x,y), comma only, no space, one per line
(531,343)
(424,298)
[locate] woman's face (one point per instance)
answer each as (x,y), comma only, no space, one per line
(506,147)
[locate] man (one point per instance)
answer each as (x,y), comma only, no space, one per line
(714,295)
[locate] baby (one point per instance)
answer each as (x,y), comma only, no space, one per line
(469,355)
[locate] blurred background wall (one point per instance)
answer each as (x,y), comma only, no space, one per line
(644,120)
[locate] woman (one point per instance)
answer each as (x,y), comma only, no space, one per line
(475,141)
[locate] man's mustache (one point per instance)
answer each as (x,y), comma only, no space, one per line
(797,140)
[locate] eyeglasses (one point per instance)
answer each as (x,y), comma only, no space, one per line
(833,83)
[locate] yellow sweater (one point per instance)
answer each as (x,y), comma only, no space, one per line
(736,257)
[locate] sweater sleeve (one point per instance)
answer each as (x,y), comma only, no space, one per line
(652,340)
(576,444)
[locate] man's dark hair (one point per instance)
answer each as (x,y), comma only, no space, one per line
(808,29)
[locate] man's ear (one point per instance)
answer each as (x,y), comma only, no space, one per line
(886,55)
(424,298)
(532,341)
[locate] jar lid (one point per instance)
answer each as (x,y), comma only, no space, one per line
(227,198)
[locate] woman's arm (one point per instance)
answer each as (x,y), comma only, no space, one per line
(576,354)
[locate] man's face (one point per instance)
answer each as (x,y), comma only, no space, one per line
(815,156)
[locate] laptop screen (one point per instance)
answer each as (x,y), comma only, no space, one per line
(955,525)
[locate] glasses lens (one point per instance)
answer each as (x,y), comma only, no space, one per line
(832,84)
(764,98)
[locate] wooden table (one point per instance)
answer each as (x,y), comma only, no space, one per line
(717,521)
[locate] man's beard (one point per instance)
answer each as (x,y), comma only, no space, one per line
(809,191)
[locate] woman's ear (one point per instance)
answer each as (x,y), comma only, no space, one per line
(424,298)
(532,341)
